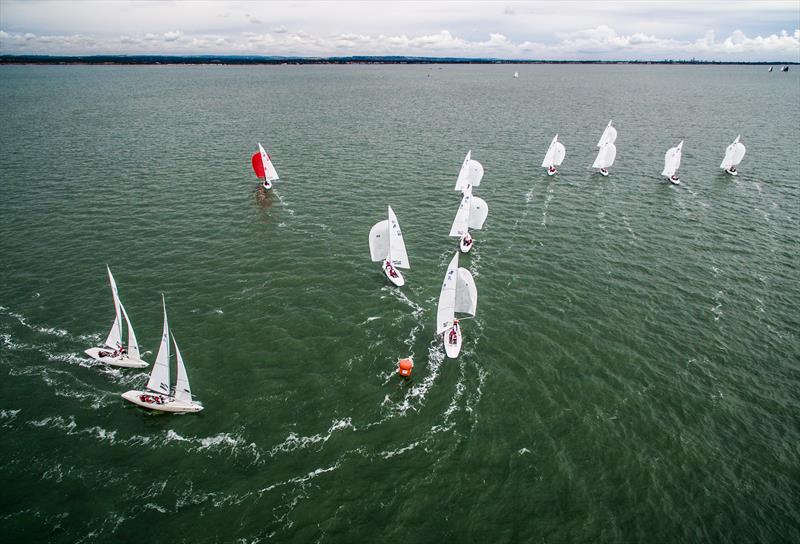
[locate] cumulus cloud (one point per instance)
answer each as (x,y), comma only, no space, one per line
(601,42)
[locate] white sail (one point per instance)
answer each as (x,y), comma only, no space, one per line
(159,376)
(463,175)
(397,247)
(379,240)
(477,212)
(461,221)
(733,154)
(555,153)
(445,312)
(466,300)
(474,173)
(133,345)
(609,136)
(672,160)
(605,156)
(114,338)
(269,168)
(182,391)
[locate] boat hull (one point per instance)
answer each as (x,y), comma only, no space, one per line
(734,173)
(150,401)
(552,172)
(604,174)
(452,349)
(397,280)
(123,361)
(267,185)
(463,246)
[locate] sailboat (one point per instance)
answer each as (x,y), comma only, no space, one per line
(263,167)
(770,69)
(516,75)
(608,151)
(112,352)
(734,154)
(386,244)
(554,157)
(471,214)
(672,161)
(157,394)
(785,68)
(470,175)
(458,294)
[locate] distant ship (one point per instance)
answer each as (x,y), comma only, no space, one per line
(785,68)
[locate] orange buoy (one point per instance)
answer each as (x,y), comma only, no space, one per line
(405,367)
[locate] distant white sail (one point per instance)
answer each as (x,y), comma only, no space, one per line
(555,153)
(461,221)
(463,175)
(672,160)
(182,391)
(379,240)
(733,154)
(397,247)
(269,168)
(609,136)
(605,156)
(159,376)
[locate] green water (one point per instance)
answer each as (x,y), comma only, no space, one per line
(632,374)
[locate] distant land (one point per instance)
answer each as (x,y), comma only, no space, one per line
(243,60)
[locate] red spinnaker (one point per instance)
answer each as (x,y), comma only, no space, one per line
(258,165)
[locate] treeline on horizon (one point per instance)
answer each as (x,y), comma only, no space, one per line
(358,59)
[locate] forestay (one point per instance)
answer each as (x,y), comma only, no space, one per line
(159,377)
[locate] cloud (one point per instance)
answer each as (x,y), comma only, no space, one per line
(600,42)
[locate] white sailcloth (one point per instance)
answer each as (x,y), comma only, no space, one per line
(159,376)
(397,247)
(555,153)
(471,173)
(114,338)
(133,345)
(445,313)
(458,294)
(672,160)
(269,168)
(477,212)
(605,156)
(733,154)
(609,136)
(461,221)
(182,391)
(379,240)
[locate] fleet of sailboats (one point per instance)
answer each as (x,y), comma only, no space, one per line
(458,295)
(734,154)
(113,352)
(672,161)
(607,152)
(157,394)
(386,244)
(554,156)
(263,167)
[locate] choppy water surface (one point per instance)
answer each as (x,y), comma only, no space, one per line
(632,374)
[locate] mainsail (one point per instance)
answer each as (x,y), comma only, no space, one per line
(609,136)
(672,160)
(159,377)
(114,339)
(733,154)
(182,391)
(605,156)
(555,153)
(397,247)
(262,165)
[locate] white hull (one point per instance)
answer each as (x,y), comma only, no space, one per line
(123,361)
(398,280)
(674,181)
(463,246)
(604,174)
(452,350)
(150,401)
(267,185)
(552,172)
(734,173)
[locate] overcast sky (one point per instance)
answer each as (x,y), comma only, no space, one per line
(545,29)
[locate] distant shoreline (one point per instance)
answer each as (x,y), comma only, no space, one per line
(258,60)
